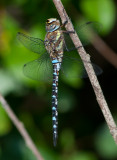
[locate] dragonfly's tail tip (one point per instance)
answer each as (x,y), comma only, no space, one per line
(54,141)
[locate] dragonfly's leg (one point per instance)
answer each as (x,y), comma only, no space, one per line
(66,21)
(72,49)
(68,32)
(63,25)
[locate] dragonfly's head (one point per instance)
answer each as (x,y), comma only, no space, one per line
(52,24)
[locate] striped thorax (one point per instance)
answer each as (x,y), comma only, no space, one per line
(54,39)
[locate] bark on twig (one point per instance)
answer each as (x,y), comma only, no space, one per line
(19,125)
(90,71)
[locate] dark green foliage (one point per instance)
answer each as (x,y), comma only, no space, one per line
(82,133)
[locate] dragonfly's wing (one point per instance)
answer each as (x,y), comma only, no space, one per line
(73,67)
(39,69)
(34,44)
(68,44)
(85,33)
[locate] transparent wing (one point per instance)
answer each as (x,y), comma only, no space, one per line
(73,67)
(34,44)
(85,33)
(39,69)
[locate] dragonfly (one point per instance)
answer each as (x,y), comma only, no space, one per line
(52,52)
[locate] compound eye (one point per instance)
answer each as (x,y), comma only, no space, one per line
(48,21)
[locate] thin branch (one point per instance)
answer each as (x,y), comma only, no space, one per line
(20,127)
(105,50)
(90,71)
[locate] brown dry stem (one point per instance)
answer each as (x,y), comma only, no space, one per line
(19,125)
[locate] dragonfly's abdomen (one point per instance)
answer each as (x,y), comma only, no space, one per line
(56,68)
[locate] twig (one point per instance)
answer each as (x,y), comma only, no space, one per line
(20,127)
(90,71)
(105,50)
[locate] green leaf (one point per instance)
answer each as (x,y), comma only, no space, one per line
(8,83)
(5,124)
(67,139)
(80,155)
(102,11)
(83,156)
(105,144)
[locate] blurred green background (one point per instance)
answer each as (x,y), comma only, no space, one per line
(83,133)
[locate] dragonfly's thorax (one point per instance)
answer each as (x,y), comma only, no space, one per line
(54,39)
